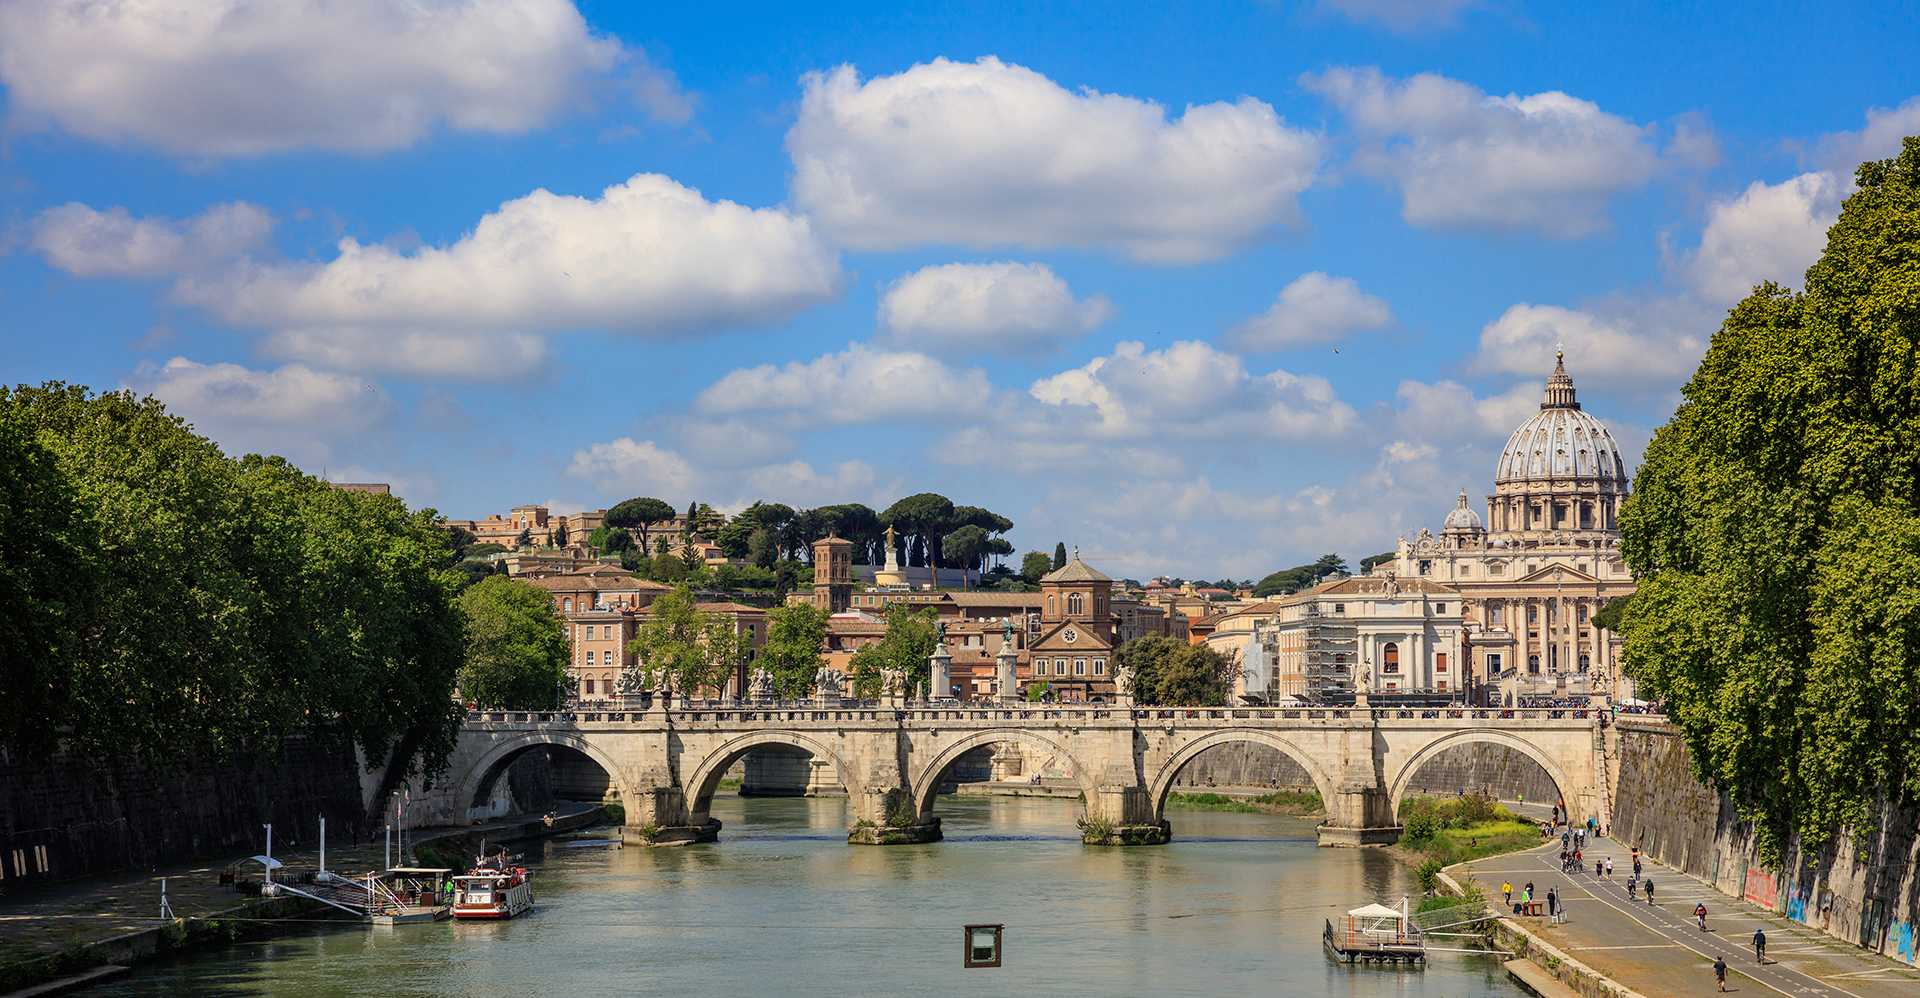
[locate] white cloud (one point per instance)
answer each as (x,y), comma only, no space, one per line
(1005,308)
(1842,152)
(1402,15)
(1313,310)
(1771,232)
(1447,415)
(796,483)
(991,154)
(633,467)
(112,243)
(1643,346)
(1465,159)
(247,77)
(857,385)
(1189,390)
(310,417)
(648,258)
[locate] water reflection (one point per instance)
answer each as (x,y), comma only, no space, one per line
(783,906)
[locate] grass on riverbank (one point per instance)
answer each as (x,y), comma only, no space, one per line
(1458,830)
(1281,802)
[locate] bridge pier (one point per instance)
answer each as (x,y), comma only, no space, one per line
(1361,813)
(886,815)
(657,816)
(1120,812)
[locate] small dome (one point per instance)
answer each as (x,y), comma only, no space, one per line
(1560,441)
(1462,518)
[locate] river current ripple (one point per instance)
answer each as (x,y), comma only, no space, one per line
(782,905)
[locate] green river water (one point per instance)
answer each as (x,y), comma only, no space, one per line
(782,905)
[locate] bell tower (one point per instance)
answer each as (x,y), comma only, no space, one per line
(833,574)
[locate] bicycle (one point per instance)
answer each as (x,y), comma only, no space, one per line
(1700,915)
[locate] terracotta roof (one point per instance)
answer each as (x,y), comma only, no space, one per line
(572,582)
(1075,571)
(727,608)
(996,599)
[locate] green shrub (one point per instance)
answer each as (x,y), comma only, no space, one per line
(1422,826)
(1428,873)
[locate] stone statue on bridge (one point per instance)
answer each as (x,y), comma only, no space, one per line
(827,681)
(761,684)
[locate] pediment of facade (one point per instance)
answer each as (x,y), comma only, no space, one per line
(1557,573)
(1085,640)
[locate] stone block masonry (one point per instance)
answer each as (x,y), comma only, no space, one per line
(77,817)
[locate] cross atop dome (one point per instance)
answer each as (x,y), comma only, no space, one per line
(1559,386)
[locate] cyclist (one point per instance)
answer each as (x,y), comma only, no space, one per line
(1760,945)
(1700,915)
(1649,890)
(1633,888)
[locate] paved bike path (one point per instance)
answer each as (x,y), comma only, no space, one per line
(1658,949)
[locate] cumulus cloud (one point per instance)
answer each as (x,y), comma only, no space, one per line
(1402,15)
(1189,390)
(1641,345)
(648,258)
(1005,308)
(857,385)
(307,416)
(1841,152)
(1770,232)
(247,77)
(1313,310)
(632,467)
(112,243)
(1465,159)
(990,154)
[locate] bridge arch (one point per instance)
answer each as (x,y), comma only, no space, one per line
(713,765)
(1162,781)
(926,780)
(1403,777)
(495,760)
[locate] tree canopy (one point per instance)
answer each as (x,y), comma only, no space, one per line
(638,514)
(684,649)
(1775,531)
(1168,671)
(795,635)
(1033,565)
(517,648)
(229,603)
(1292,580)
(907,644)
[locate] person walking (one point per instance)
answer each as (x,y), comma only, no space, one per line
(1636,867)
(1596,869)
(1760,946)
(1720,971)
(1553,905)
(1506,887)
(1609,867)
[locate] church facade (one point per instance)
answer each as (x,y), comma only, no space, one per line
(1545,559)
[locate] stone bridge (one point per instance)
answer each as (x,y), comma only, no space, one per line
(666,764)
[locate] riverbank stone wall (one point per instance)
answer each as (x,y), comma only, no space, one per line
(1862,889)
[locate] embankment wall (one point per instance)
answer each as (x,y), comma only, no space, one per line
(1862,889)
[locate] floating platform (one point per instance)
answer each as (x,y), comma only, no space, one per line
(411,915)
(1375,934)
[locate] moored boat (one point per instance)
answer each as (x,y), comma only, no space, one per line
(494,889)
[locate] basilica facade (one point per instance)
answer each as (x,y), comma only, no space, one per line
(1542,562)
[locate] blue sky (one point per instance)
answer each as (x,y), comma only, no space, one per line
(1219,286)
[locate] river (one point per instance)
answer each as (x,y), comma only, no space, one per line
(783,906)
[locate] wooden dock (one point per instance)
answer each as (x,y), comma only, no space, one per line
(1355,941)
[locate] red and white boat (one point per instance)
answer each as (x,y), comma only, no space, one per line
(493,890)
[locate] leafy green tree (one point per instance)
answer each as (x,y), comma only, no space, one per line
(1775,532)
(559,535)
(668,568)
(692,553)
(1607,618)
(1038,690)
(525,540)
(1168,671)
(906,646)
(1059,555)
(925,517)
(637,515)
(965,546)
(763,546)
(48,576)
(1033,565)
(615,541)
(784,577)
(460,539)
(1371,561)
(683,649)
(795,636)
(517,649)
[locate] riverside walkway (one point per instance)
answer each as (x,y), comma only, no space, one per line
(1659,950)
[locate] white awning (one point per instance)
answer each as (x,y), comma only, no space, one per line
(269,863)
(1375,911)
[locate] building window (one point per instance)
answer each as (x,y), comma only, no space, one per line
(1393,686)
(1099,666)
(1425,567)
(567,604)
(1533,615)
(1076,604)
(1440,608)
(589,689)
(1584,662)
(1339,608)
(1466,569)
(1533,664)
(1079,666)
(1493,664)
(1581,613)
(1443,686)
(1440,662)
(1049,605)
(1496,614)
(1390,658)
(606,658)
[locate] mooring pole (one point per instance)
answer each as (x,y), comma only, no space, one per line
(269,852)
(323,843)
